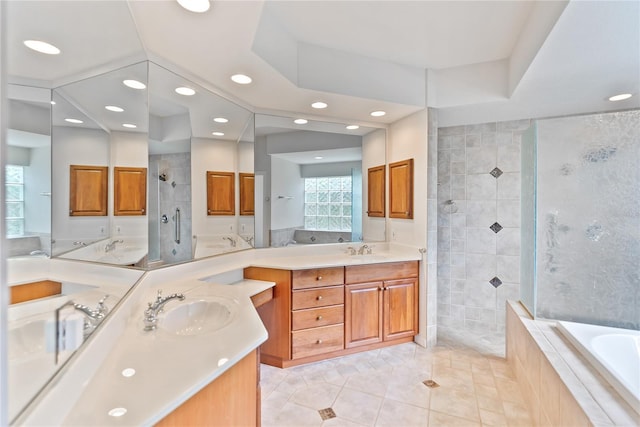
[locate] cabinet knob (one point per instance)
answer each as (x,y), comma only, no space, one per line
(319,318)
(319,342)
(209,211)
(319,297)
(142,210)
(70,211)
(379,289)
(319,278)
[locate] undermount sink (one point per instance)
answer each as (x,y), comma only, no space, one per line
(199,316)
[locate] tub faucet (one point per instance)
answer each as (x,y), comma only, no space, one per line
(112,245)
(364,248)
(151,313)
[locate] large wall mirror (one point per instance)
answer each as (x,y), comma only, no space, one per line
(311,181)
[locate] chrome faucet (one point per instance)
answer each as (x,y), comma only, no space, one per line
(112,245)
(364,248)
(151,313)
(351,250)
(92,317)
(231,240)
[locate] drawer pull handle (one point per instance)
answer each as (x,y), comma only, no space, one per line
(319,342)
(319,318)
(319,278)
(319,297)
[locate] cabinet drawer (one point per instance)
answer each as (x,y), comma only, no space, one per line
(317,297)
(314,317)
(314,341)
(377,272)
(315,277)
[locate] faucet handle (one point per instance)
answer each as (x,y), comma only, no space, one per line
(102,307)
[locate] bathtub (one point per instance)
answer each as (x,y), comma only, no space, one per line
(614,352)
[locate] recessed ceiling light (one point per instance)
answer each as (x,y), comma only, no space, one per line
(129,125)
(128,372)
(222,361)
(620,97)
(301,121)
(134,84)
(42,47)
(197,6)
(220,120)
(117,412)
(241,79)
(76,121)
(217,133)
(114,108)
(318,157)
(319,105)
(378,113)
(53,102)
(353,127)
(186,91)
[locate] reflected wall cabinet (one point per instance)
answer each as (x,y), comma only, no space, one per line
(247,191)
(221,193)
(375,191)
(88,190)
(130,191)
(401,189)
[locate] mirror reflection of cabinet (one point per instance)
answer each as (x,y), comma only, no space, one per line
(88,190)
(247,193)
(129,191)
(376,191)
(401,189)
(221,193)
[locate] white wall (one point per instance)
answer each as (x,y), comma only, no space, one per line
(75,146)
(210,155)
(128,149)
(37,180)
(373,154)
(286,180)
(408,139)
(245,165)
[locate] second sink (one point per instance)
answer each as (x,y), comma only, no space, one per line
(200,316)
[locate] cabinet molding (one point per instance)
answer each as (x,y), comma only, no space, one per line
(221,193)
(88,190)
(376,184)
(247,193)
(129,191)
(401,189)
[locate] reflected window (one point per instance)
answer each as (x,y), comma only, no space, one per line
(14,191)
(327,203)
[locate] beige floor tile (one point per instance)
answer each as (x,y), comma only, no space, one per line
(275,401)
(292,415)
(489,418)
(439,419)
(509,390)
(334,377)
(340,422)
(488,403)
(517,414)
(487,391)
(484,378)
(357,406)
(409,390)
(375,383)
(455,402)
(454,378)
(316,396)
(393,413)
(501,369)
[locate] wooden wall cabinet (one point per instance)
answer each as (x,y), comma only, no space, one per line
(88,190)
(327,312)
(129,191)
(221,193)
(401,189)
(247,193)
(376,191)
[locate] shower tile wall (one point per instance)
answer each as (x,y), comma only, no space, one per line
(478,203)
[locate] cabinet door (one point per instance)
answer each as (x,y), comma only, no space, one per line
(400,308)
(88,190)
(130,191)
(375,191)
(401,189)
(247,193)
(363,314)
(221,193)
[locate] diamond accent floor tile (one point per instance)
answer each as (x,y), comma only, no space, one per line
(495,227)
(431,383)
(495,282)
(496,172)
(327,414)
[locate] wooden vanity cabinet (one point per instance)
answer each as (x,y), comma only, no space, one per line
(88,190)
(129,191)
(381,303)
(401,189)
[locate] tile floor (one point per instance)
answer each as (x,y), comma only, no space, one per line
(385,388)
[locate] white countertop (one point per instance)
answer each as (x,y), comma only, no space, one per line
(169,368)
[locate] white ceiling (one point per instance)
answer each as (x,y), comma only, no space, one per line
(473,60)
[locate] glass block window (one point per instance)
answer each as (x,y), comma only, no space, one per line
(327,203)
(14,199)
